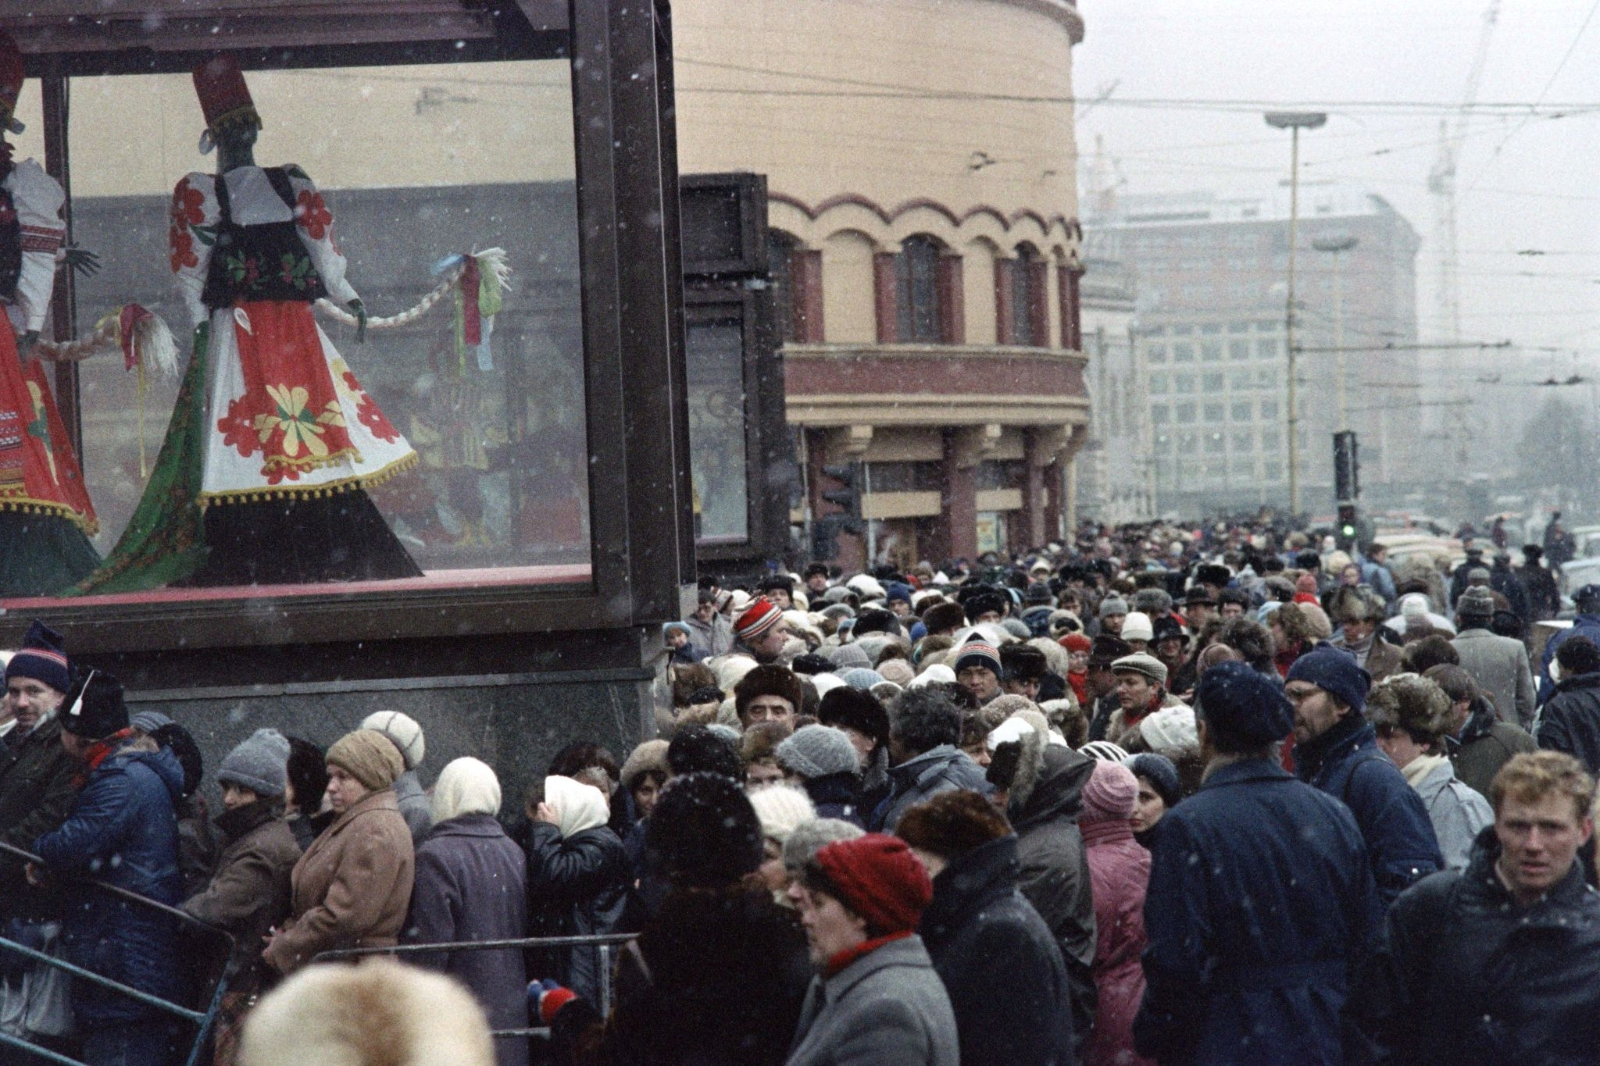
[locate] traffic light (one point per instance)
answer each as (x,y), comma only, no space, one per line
(1346,468)
(848,494)
(1349,526)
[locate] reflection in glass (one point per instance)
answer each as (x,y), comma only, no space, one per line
(715,356)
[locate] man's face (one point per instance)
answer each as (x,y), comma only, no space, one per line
(1538,843)
(1134,691)
(1460,711)
(980,681)
(1230,611)
(781,598)
(1170,650)
(32,700)
(987,616)
(1023,686)
(769,645)
(1198,615)
(705,611)
(761,773)
(901,608)
(817,583)
(1098,681)
(1315,711)
(1112,623)
(862,743)
(1357,631)
(768,709)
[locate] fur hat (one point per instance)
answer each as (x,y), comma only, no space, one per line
(900,671)
(1111,794)
(1107,649)
(952,824)
(944,617)
(781,809)
(1112,605)
(1413,704)
(1336,672)
(933,674)
(465,786)
(403,730)
(818,751)
(1242,707)
(649,757)
(260,763)
(878,878)
(777,681)
(704,830)
(378,1011)
(93,708)
(850,708)
(368,756)
(1476,603)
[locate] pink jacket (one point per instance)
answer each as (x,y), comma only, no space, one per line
(1119,871)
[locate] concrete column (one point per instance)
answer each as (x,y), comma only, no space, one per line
(959,500)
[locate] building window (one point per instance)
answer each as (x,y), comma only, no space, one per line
(1183,383)
(1238,349)
(1067,284)
(1188,443)
(1211,328)
(1185,413)
(1267,327)
(1213,413)
(1269,410)
(1158,414)
(1270,440)
(1183,353)
(1241,411)
(1158,384)
(1157,353)
(1211,383)
(1266,377)
(1243,441)
(796,275)
(1272,472)
(916,280)
(1243,468)
(1238,327)
(1182,331)
(1029,309)
(1266,349)
(1211,352)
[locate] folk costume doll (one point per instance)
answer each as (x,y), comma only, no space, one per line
(45,515)
(270,421)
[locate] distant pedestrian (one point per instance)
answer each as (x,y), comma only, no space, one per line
(1500,664)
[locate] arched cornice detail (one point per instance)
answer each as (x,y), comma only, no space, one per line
(989,218)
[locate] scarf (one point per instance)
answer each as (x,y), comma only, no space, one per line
(1421,767)
(844,958)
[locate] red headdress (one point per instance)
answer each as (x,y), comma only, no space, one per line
(224,97)
(11,76)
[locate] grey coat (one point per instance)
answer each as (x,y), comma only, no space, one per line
(941,769)
(414,806)
(1457,812)
(1500,665)
(887,1008)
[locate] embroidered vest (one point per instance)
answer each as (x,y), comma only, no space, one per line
(263,262)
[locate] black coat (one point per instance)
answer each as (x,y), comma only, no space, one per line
(38,784)
(470,887)
(1465,977)
(577,886)
(717,979)
(999,963)
(1570,721)
(837,796)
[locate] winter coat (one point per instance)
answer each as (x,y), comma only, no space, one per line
(577,886)
(1570,722)
(1500,666)
(414,806)
(470,886)
(836,796)
(1505,581)
(1347,764)
(1457,812)
(1382,658)
(1119,870)
(1584,625)
(199,848)
(999,963)
(250,891)
(1485,745)
(122,830)
(1463,976)
(887,1006)
(38,784)
(1043,806)
(716,978)
(1544,597)
(941,769)
(715,636)
(352,887)
(1260,900)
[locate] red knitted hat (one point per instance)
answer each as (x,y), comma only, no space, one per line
(879,879)
(11,77)
(759,617)
(1077,642)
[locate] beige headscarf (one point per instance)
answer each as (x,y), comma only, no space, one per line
(577,806)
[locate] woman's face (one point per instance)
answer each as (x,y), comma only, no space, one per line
(1077,662)
(772,872)
(645,792)
(1148,811)
(343,789)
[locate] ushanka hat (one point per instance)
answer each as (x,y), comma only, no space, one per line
(757,619)
(224,98)
(42,657)
(12,76)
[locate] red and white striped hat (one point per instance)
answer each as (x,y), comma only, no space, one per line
(757,619)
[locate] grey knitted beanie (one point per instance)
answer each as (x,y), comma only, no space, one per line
(259,764)
(817,751)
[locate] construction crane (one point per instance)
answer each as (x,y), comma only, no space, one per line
(1442,184)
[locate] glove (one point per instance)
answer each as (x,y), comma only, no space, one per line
(547,998)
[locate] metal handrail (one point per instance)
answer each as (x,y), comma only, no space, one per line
(603,941)
(202,1021)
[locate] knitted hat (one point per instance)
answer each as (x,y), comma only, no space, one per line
(1140,663)
(42,657)
(368,756)
(757,619)
(846,656)
(1107,649)
(704,830)
(649,757)
(861,678)
(1137,626)
(1161,772)
(811,837)
(977,652)
(465,786)
(1170,729)
(1110,794)
(817,751)
(1077,642)
(93,708)
(877,877)
(1113,605)
(403,730)
(943,617)
(1244,707)
(1334,671)
(899,671)
(260,763)
(777,681)
(1475,602)
(781,809)
(148,722)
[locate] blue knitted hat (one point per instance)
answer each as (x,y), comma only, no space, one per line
(1241,703)
(1335,672)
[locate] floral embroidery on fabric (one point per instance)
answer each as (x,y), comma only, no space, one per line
(312,214)
(298,425)
(188,212)
(367,412)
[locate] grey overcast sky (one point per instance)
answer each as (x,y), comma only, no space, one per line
(1386,71)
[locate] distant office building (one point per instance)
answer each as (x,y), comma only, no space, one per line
(1114,474)
(1212,285)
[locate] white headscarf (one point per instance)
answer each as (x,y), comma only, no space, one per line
(578,806)
(465,786)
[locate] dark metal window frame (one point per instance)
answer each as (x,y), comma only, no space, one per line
(642,548)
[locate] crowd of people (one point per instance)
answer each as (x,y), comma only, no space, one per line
(1157,797)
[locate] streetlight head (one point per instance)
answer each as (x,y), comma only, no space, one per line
(1306,120)
(1338,243)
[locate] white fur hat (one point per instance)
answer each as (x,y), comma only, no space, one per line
(403,730)
(341,1015)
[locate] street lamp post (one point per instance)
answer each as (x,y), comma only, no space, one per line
(1294,122)
(1337,246)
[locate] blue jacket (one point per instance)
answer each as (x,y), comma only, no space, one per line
(1347,764)
(123,830)
(1260,908)
(1584,625)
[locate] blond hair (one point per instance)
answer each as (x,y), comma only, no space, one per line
(1533,776)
